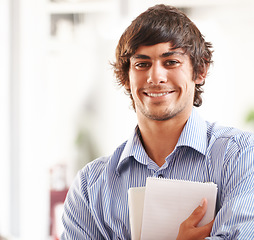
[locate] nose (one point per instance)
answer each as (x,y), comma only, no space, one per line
(157,74)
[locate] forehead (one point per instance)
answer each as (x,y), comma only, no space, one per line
(158,50)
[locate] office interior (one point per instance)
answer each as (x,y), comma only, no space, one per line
(61,108)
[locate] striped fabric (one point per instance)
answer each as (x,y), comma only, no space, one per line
(96,206)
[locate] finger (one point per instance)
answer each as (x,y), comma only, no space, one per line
(198,213)
(205,230)
(194,233)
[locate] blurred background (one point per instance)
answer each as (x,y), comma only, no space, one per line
(60,106)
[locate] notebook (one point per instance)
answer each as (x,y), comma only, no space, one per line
(157,210)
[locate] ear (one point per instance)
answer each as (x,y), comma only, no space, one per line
(127,85)
(202,76)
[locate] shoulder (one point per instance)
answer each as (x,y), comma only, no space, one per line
(227,144)
(228,135)
(230,155)
(100,167)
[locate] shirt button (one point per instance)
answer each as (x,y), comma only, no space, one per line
(160,176)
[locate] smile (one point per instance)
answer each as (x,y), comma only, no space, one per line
(157,94)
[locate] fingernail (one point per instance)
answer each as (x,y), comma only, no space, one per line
(202,202)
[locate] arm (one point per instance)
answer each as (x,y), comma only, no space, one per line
(235,206)
(78,219)
(188,229)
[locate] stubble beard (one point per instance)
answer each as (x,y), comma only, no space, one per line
(167,114)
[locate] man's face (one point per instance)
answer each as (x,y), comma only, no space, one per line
(161,82)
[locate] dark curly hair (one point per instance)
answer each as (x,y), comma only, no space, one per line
(159,24)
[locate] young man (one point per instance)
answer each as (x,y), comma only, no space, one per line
(162,61)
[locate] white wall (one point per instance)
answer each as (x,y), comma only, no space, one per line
(4,119)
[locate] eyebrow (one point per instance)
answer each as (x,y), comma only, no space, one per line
(140,56)
(170,53)
(163,55)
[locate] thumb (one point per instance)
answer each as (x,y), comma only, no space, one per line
(198,213)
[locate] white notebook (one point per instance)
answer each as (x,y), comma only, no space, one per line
(157,210)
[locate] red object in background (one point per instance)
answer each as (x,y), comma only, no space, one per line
(56,198)
(58,192)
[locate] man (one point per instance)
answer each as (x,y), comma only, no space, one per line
(162,61)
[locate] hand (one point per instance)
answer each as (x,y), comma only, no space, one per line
(188,229)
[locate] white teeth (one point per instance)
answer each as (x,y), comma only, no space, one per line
(156,94)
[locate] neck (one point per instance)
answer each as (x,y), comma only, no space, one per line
(160,137)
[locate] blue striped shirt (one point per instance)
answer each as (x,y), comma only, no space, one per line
(96,206)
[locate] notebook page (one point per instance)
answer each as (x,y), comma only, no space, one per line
(168,203)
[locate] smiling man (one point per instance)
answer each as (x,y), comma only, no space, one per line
(162,61)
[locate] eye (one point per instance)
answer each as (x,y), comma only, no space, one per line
(171,63)
(142,65)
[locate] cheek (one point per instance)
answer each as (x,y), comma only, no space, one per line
(135,80)
(185,78)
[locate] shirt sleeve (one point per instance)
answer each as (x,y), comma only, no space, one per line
(235,218)
(78,220)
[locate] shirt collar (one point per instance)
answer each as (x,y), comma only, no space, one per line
(134,148)
(194,135)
